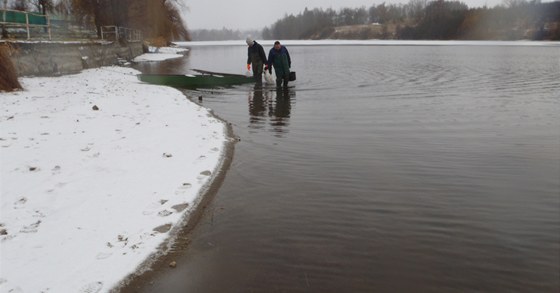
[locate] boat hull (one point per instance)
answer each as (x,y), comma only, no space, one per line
(195,81)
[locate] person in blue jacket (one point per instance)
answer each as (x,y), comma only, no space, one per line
(279,57)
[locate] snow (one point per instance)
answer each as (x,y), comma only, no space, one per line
(167,50)
(173,50)
(161,54)
(97,171)
(147,57)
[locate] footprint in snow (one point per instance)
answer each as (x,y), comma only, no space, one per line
(180,207)
(93,287)
(153,207)
(163,228)
(103,255)
(21,201)
(38,214)
(33,228)
(164,213)
(183,189)
(56,170)
(203,175)
(16,290)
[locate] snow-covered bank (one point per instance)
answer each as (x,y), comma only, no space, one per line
(97,168)
(160,54)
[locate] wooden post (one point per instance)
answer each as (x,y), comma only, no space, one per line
(49,26)
(27,25)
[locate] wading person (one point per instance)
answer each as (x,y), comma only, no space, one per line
(257,57)
(280,59)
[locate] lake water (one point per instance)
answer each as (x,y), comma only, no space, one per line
(384,168)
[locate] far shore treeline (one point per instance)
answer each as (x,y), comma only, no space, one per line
(415,20)
(426,20)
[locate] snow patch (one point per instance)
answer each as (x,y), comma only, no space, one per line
(86,194)
(161,54)
(154,57)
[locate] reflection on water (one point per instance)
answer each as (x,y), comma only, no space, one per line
(396,169)
(272,107)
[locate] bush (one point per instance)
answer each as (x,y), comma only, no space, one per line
(8,74)
(157,42)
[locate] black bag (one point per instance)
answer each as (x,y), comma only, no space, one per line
(292,76)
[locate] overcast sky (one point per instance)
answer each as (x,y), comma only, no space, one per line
(256,14)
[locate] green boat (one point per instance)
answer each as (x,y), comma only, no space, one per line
(205,79)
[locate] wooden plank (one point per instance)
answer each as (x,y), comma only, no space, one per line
(217,73)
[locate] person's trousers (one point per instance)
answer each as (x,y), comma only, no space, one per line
(280,79)
(257,72)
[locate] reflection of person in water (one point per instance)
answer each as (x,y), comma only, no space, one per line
(283,106)
(274,106)
(257,107)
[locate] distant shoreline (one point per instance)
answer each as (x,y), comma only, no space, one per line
(372,43)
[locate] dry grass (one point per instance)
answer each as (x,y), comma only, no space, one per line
(157,42)
(8,75)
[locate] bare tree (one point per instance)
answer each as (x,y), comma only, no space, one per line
(416,9)
(91,11)
(156,18)
(43,5)
(20,5)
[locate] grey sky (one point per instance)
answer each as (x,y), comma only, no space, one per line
(256,14)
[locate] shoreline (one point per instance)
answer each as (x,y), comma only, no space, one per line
(31,146)
(180,235)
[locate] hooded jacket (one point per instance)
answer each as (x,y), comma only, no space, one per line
(255,54)
(281,61)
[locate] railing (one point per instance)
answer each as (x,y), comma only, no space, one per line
(14,18)
(114,33)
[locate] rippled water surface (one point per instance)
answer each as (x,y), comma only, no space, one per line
(383,169)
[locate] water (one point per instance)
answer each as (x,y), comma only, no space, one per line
(383,169)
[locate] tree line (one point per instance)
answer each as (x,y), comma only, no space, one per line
(423,19)
(223,34)
(156,18)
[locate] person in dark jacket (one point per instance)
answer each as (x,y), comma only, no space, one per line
(279,57)
(257,57)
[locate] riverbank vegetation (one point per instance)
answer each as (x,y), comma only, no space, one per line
(427,20)
(154,18)
(8,75)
